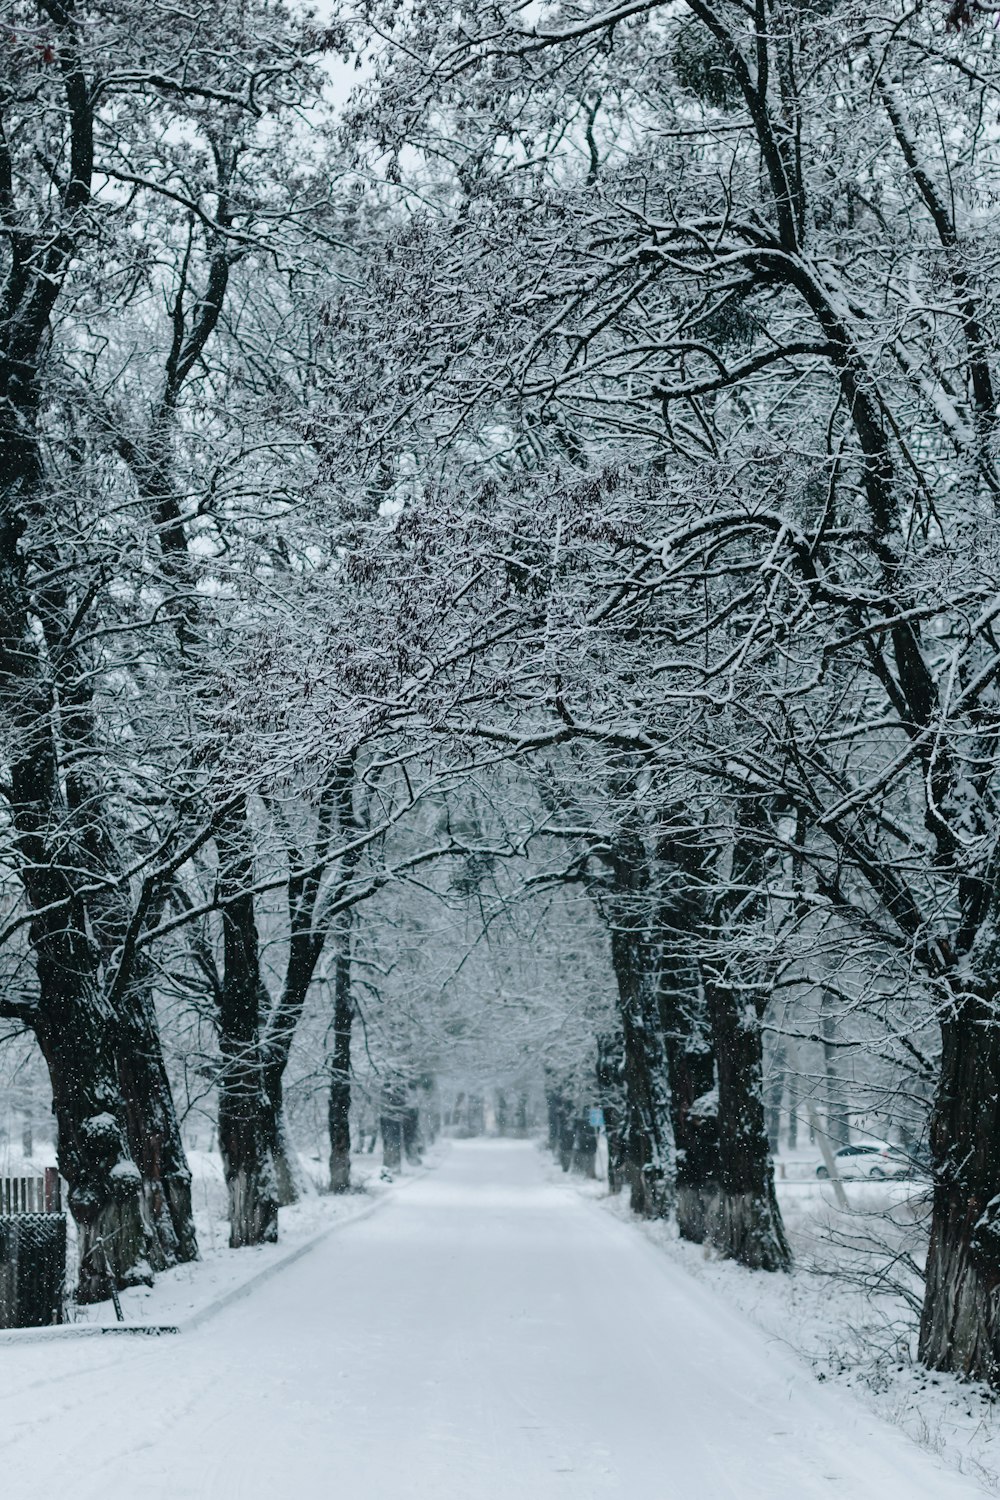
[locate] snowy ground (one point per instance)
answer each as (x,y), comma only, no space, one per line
(190,1291)
(487,1335)
(850,1310)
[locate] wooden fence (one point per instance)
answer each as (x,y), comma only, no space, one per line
(31,1195)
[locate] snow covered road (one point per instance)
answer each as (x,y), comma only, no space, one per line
(487,1335)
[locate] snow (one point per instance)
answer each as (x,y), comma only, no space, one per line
(488,1334)
(850,1310)
(188,1293)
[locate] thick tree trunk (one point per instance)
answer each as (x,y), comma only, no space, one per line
(154,1135)
(694,1095)
(645,1128)
(275,1051)
(644,1146)
(960,1324)
(746,1221)
(72,1021)
(105,1187)
(246,1121)
(340,1061)
(694,1110)
(153,1130)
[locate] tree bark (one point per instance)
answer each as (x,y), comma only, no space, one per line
(838,1124)
(643,1141)
(153,1130)
(694,1111)
(746,1221)
(793,1109)
(646,1117)
(775,1089)
(340,1061)
(960,1322)
(72,1021)
(246,1135)
(609,1092)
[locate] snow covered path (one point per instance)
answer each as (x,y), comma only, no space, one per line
(487,1335)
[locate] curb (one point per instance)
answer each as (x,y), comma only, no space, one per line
(225,1299)
(218,1304)
(84,1331)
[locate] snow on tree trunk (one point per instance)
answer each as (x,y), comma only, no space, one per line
(960,1323)
(339,1109)
(746,1221)
(695,1114)
(246,1121)
(645,1126)
(153,1131)
(609,1092)
(644,1147)
(694,1097)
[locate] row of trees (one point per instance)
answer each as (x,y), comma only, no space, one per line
(560,487)
(709,294)
(182,647)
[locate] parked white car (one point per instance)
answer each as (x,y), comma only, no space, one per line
(871,1159)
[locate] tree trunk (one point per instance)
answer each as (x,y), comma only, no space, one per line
(644,1146)
(584,1154)
(838,1123)
(74,1026)
(960,1323)
(412,1144)
(105,1187)
(154,1133)
(609,1092)
(694,1096)
(646,1115)
(275,1051)
(694,1109)
(291,1182)
(340,1061)
(246,1132)
(746,1221)
(553,1113)
(71,1020)
(392,1142)
(775,1089)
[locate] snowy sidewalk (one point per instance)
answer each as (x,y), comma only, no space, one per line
(486,1336)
